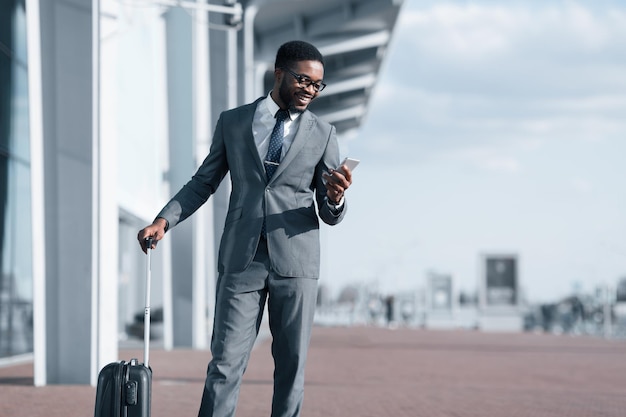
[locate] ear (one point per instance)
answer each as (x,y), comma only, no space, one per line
(278,75)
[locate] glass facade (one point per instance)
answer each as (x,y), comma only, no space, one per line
(16,282)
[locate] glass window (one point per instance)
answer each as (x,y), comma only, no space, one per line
(16,282)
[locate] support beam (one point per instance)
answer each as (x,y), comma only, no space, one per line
(80,216)
(35,119)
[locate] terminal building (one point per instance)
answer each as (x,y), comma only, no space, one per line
(106,109)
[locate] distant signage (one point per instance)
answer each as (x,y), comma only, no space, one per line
(501,281)
(440,289)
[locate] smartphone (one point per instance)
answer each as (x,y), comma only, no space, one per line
(351,163)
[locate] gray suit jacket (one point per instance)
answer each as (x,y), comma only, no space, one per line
(286,202)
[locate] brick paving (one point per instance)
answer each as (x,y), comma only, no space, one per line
(371,371)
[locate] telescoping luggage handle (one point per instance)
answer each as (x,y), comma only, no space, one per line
(146,316)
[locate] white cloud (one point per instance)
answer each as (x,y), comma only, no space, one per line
(461,31)
(583,186)
(472,73)
(479,29)
(488,158)
(512,49)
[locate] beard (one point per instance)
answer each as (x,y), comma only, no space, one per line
(286,96)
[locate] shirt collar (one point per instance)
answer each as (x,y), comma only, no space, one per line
(272,108)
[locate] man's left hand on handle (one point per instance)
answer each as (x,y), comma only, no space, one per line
(156,231)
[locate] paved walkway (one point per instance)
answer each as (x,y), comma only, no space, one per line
(374,372)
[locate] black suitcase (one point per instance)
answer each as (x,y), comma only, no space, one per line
(125,388)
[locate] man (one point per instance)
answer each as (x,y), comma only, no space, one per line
(282,160)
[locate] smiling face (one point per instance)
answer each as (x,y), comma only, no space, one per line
(289,93)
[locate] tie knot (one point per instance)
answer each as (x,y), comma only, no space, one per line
(281,115)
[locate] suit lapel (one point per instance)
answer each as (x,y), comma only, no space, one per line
(307,122)
(246,126)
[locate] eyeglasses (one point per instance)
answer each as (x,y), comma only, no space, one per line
(305,81)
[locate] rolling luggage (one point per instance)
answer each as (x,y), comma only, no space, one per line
(125,388)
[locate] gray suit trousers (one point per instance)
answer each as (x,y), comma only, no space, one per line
(239,306)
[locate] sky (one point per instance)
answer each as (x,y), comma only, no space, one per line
(494,128)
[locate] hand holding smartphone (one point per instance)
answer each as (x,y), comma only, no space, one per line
(351,163)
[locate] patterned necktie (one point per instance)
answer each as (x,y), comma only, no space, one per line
(276,144)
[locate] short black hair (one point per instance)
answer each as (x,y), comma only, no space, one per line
(293,51)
